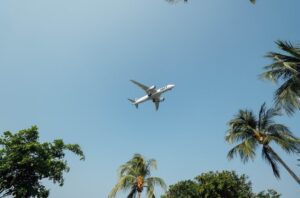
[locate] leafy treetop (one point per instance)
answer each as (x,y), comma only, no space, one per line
(24,162)
(225,184)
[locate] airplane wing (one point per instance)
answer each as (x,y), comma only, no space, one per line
(147,89)
(144,87)
(156,101)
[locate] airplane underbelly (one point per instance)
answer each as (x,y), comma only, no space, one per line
(157,94)
(143,99)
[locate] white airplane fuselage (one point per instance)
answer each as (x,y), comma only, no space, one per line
(152,94)
(155,95)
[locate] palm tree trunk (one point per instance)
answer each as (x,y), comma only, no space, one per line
(283,164)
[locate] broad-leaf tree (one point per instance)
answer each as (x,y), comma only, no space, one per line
(183,189)
(225,184)
(250,132)
(285,70)
(24,162)
(135,175)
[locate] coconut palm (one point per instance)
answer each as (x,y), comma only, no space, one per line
(285,68)
(250,132)
(135,175)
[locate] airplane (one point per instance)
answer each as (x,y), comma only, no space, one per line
(152,94)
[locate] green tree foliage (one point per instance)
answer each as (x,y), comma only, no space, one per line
(24,162)
(269,194)
(183,189)
(250,132)
(285,69)
(135,175)
(225,184)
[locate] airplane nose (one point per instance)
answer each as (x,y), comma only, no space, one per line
(172,86)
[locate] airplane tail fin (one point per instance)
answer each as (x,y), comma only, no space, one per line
(133,102)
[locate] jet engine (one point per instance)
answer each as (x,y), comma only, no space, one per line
(151,88)
(161,99)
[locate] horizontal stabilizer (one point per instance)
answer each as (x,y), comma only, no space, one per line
(133,102)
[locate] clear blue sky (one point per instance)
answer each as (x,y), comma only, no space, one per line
(65,66)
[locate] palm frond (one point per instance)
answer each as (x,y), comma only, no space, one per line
(150,191)
(284,62)
(266,117)
(262,116)
(153,181)
(237,136)
(241,127)
(124,183)
(287,95)
(244,118)
(275,72)
(279,128)
(271,160)
(132,193)
(289,47)
(261,113)
(272,112)
(286,68)
(282,136)
(151,163)
(123,169)
(246,150)
(283,67)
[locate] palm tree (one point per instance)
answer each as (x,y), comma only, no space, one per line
(135,175)
(250,132)
(285,68)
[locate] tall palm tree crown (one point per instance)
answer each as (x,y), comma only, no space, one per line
(135,175)
(285,69)
(250,132)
